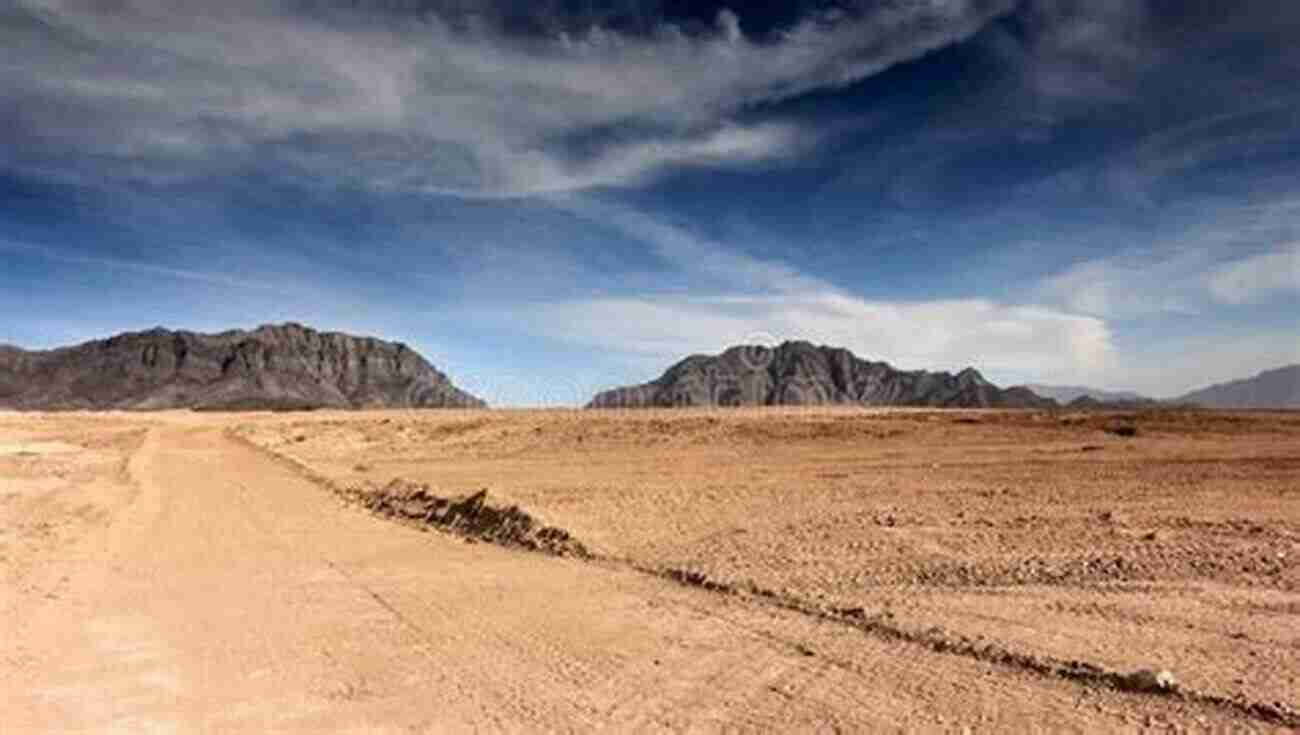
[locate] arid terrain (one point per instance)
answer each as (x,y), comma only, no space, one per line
(772,570)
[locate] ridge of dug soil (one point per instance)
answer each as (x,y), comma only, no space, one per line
(471,517)
(881,625)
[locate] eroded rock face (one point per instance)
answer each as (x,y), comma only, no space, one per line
(799,373)
(271,367)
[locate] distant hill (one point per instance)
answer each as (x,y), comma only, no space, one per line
(1065,394)
(271,367)
(1278,388)
(799,373)
(1088,403)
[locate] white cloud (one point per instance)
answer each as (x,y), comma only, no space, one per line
(928,334)
(538,173)
(1254,279)
(1209,254)
(712,264)
(1063,334)
(1178,281)
(425,103)
(1011,344)
(736,298)
(1085,50)
(183,274)
(1177,366)
(1204,279)
(1129,286)
(729,24)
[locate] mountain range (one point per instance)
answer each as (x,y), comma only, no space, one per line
(1278,388)
(1064,394)
(1272,389)
(290,366)
(273,366)
(800,373)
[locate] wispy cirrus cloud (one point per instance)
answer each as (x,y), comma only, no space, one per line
(1064,329)
(1187,283)
(422,101)
(942,334)
(149,269)
(1257,278)
(1130,285)
(728,297)
(709,264)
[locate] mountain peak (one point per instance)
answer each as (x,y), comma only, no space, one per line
(800,373)
(271,366)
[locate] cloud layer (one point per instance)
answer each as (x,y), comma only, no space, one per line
(1063,330)
(731,298)
(167,90)
(1194,279)
(948,334)
(1259,277)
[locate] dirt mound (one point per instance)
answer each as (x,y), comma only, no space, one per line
(470,516)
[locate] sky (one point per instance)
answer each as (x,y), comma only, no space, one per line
(554,197)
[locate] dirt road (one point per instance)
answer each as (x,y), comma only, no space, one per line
(180,581)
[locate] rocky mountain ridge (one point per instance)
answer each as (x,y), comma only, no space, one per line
(271,367)
(800,373)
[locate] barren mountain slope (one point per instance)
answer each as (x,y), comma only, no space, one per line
(1271,389)
(799,373)
(281,366)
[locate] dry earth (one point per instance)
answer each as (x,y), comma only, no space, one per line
(791,570)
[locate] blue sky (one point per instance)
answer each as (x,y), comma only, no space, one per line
(551,198)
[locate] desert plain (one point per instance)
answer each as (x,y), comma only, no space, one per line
(797,569)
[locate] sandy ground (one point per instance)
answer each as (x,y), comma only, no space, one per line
(871,571)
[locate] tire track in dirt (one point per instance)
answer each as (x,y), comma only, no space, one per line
(689,695)
(809,678)
(278,541)
(722,670)
(497,693)
(428,643)
(1275,713)
(724,666)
